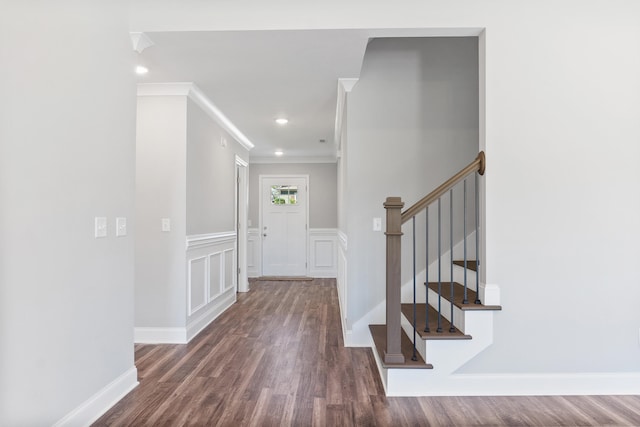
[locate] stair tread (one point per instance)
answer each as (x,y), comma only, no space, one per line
(379,334)
(471,264)
(458,296)
(407,310)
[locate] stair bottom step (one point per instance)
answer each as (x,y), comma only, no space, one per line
(379,334)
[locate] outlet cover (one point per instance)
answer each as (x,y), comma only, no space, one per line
(121,226)
(100,227)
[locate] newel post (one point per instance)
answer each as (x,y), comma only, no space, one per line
(393,352)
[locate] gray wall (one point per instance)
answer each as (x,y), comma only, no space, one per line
(67,134)
(412,123)
(322,190)
(161,146)
(210,174)
(183,173)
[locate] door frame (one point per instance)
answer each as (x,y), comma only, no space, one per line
(261,179)
(241,219)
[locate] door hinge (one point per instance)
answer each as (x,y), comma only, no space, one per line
(238,270)
(305,265)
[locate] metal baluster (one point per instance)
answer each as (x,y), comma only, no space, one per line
(414,357)
(465,299)
(439,328)
(451,328)
(426,322)
(477,301)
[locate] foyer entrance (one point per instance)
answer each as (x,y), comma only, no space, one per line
(284,204)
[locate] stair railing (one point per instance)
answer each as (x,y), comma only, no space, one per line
(395,219)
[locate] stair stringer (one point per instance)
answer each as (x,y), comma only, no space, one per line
(446,356)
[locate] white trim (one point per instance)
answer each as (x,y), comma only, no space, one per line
(424,382)
(145,335)
(306,159)
(240,161)
(242,205)
(341,285)
(140,41)
(319,236)
(219,254)
(225,288)
(196,95)
(197,325)
(94,407)
(191,310)
(344,86)
(342,239)
(201,240)
(218,116)
(254,242)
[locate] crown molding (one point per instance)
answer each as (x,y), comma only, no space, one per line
(276,160)
(194,93)
(344,86)
(140,41)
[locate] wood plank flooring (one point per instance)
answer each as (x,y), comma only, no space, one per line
(276,357)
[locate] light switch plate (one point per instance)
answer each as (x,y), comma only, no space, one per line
(166,224)
(377,224)
(100,226)
(121,226)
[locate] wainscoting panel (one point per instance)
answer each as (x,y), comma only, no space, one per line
(211,278)
(215,275)
(254,253)
(197,284)
(323,252)
(229,269)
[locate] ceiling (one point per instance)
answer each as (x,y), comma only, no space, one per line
(254,77)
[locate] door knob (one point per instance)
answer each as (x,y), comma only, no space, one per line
(265,234)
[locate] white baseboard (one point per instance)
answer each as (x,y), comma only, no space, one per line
(144,335)
(427,382)
(220,304)
(102,401)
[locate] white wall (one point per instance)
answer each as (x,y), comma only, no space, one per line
(67,135)
(322,190)
(161,150)
(562,101)
(185,277)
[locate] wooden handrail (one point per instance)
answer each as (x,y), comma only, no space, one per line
(477,165)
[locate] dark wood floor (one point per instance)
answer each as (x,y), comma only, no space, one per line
(277,358)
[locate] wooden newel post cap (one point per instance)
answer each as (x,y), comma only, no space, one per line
(393,203)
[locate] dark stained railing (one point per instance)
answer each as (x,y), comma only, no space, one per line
(395,219)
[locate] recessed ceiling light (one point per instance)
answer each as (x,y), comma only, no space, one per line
(282,121)
(279,153)
(141,70)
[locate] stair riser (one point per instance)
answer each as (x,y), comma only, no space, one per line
(448,355)
(458,315)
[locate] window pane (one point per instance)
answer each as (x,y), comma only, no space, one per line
(284,194)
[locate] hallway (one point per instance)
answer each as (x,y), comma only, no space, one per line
(276,357)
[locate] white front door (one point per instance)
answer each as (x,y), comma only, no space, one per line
(284,225)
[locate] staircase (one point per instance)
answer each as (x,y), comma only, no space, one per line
(447,317)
